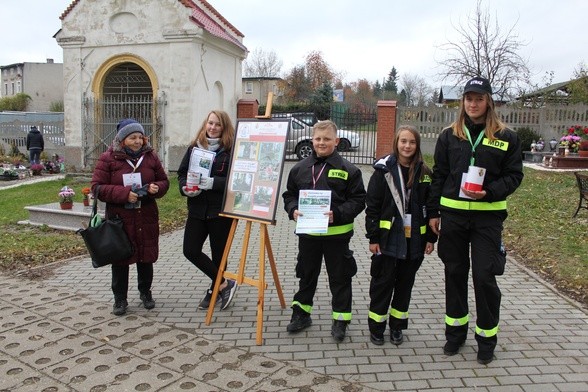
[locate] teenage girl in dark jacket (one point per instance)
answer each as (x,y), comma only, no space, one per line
(204,205)
(472,219)
(397,227)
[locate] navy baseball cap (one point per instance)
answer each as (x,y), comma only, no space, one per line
(478,85)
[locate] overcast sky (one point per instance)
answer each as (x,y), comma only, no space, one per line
(360,39)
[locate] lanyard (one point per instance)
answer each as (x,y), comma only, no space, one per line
(135,167)
(315,179)
(474,145)
(405,192)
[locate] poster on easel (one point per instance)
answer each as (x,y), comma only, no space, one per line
(253,183)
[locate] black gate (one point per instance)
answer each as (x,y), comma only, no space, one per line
(357,132)
(360,121)
(101,117)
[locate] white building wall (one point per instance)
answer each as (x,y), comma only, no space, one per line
(195,71)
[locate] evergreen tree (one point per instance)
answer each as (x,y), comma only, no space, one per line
(390,84)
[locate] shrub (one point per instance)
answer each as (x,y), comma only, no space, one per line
(527,136)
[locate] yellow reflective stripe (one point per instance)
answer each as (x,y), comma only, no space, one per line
(473,205)
(336,173)
(398,314)
(342,316)
(378,318)
(385,224)
(426,178)
(500,144)
(334,230)
(457,322)
(423,229)
(306,308)
(486,333)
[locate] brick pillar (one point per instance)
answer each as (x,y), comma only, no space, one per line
(247,108)
(386,127)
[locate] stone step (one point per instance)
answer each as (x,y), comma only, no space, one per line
(53,216)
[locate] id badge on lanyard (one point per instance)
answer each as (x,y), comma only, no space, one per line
(407,218)
(133,179)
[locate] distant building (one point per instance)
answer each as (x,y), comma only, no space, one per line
(43,82)
(165,63)
(259,87)
(557,93)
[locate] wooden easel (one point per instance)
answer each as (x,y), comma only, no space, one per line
(240,277)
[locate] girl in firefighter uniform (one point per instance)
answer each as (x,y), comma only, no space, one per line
(398,232)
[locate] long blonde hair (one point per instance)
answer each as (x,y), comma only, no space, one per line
(493,123)
(228,131)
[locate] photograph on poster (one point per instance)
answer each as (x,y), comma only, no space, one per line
(241,182)
(262,198)
(269,158)
(256,169)
(247,150)
(242,201)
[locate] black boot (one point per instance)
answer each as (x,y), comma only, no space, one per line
(147,299)
(338,330)
(376,331)
(300,320)
(120,307)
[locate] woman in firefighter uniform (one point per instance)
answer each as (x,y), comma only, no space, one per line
(398,232)
(472,220)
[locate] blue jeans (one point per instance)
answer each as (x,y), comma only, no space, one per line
(35,155)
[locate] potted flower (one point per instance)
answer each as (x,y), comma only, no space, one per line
(574,137)
(66,195)
(36,169)
(8,174)
(86,196)
(583,133)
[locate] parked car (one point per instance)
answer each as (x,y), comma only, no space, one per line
(299,140)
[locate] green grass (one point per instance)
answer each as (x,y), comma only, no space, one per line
(23,246)
(539,232)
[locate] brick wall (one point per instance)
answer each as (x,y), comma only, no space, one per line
(385,128)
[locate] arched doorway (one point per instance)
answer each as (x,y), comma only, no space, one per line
(124,87)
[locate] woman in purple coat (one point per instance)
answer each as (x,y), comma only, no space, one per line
(129,177)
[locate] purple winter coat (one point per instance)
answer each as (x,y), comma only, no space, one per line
(141,224)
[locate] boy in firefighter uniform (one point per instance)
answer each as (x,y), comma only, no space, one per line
(470,214)
(325,169)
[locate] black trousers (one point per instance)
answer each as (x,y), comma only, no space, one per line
(120,279)
(392,279)
(341,267)
(195,234)
(482,233)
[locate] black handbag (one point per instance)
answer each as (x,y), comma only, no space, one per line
(105,240)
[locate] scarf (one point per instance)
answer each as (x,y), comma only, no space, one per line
(133,154)
(213,144)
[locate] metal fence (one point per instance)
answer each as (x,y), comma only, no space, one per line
(101,117)
(357,131)
(548,122)
(14,127)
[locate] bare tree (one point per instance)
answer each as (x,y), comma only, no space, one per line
(484,49)
(262,64)
(416,90)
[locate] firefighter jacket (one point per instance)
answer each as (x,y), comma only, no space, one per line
(339,176)
(501,158)
(384,221)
